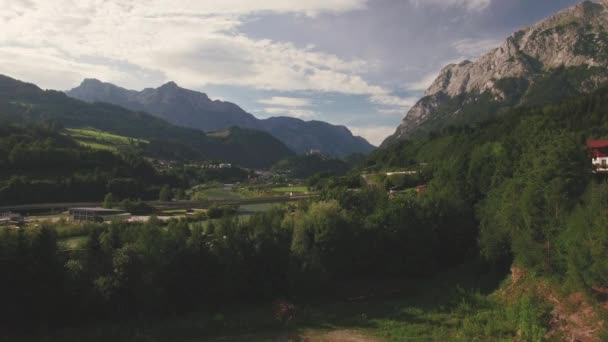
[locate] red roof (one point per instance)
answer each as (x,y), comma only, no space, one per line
(597,143)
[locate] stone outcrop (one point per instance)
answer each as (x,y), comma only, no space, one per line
(575,37)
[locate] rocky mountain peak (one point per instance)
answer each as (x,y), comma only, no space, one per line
(90,82)
(170,85)
(576,37)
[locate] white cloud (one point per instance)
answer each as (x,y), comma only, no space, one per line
(375,135)
(196,43)
(392,111)
(286,101)
(476,5)
(299,113)
(386,99)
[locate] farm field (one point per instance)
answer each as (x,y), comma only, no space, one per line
(217,194)
(101,140)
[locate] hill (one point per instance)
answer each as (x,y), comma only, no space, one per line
(562,56)
(188,108)
(41,163)
(23,103)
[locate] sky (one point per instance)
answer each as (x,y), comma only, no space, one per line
(358,63)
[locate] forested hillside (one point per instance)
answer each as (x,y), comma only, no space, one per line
(23,103)
(528,181)
(40,163)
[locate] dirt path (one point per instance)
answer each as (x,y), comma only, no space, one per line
(575,319)
(305,336)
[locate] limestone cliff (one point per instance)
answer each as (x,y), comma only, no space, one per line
(570,47)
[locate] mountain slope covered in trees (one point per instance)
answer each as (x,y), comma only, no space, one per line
(23,103)
(188,108)
(528,179)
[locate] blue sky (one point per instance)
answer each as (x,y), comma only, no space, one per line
(358,63)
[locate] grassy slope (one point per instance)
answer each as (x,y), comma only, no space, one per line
(437,309)
(102,140)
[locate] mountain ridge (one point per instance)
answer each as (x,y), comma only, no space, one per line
(25,103)
(193,109)
(570,47)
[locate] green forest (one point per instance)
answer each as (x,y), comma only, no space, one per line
(515,190)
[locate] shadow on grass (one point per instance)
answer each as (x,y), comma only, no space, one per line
(396,309)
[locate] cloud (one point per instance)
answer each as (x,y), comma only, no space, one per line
(289,106)
(392,111)
(196,43)
(475,5)
(374,134)
(299,113)
(286,101)
(308,7)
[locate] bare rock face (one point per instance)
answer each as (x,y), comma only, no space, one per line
(575,37)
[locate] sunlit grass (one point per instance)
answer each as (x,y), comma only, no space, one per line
(100,140)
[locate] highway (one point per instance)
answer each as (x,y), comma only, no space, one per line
(58,207)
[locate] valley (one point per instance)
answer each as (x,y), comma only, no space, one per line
(162,214)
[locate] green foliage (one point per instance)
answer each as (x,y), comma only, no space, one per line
(216,212)
(165,194)
(43,165)
(522,176)
(586,239)
(136,207)
(108,201)
(321,238)
(486,320)
(307,166)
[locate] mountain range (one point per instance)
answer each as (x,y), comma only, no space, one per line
(562,56)
(24,104)
(192,109)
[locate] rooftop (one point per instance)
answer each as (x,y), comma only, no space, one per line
(597,143)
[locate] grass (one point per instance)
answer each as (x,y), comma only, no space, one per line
(453,306)
(76,242)
(100,140)
(295,189)
(219,134)
(217,194)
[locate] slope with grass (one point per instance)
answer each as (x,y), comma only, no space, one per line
(96,139)
(460,305)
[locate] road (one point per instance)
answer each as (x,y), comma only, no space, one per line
(27,208)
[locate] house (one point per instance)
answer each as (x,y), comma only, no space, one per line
(97,214)
(598,151)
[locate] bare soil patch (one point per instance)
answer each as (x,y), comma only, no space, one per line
(305,336)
